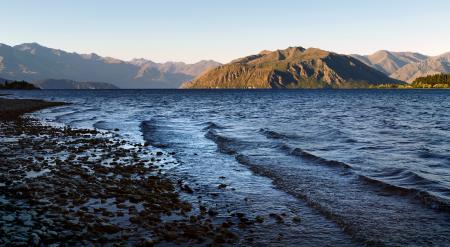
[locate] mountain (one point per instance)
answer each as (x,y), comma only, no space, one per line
(70,84)
(33,62)
(433,65)
(389,62)
(294,67)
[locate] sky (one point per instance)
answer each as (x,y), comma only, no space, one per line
(189,31)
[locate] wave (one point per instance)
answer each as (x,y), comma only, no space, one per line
(224,144)
(273,134)
(317,159)
(285,185)
(103,125)
(400,176)
(212,125)
(426,198)
(403,177)
(83,120)
(427,153)
(100,125)
(351,225)
(75,112)
(149,129)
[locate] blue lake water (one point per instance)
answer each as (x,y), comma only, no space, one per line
(357,166)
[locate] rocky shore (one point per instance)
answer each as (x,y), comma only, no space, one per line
(79,187)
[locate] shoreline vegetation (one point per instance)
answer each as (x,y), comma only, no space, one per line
(83,187)
(437,81)
(21,85)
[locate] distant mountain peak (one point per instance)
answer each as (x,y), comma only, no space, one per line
(389,62)
(30,46)
(139,61)
(90,56)
(112,60)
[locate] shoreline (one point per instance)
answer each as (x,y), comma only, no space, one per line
(84,187)
(11,109)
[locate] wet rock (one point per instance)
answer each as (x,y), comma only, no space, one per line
(91,183)
(277,217)
(212,212)
(259,219)
(24,217)
(170,235)
(187,189)
(35,239)
(28,223)
(106,228)
(222,186)
(8,218)
(19,239)
(296,219)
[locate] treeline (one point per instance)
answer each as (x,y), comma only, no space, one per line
(17,85)
(432,81)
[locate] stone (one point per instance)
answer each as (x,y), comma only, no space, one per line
(259,219)
(296,219)
(277,217)
(8,218)
(187,189)
(222,186)
(35,239)
(24,217)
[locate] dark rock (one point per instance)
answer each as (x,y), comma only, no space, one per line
(8,218)
(222,186)
(277,217)
(35,239)
(187,189)
(259,219)
(212,212)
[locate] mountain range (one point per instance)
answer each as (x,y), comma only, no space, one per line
(432,65)
(294,67)
(70,84)
(33,62)
(407,66)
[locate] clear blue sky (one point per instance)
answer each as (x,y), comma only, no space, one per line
(182,30)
